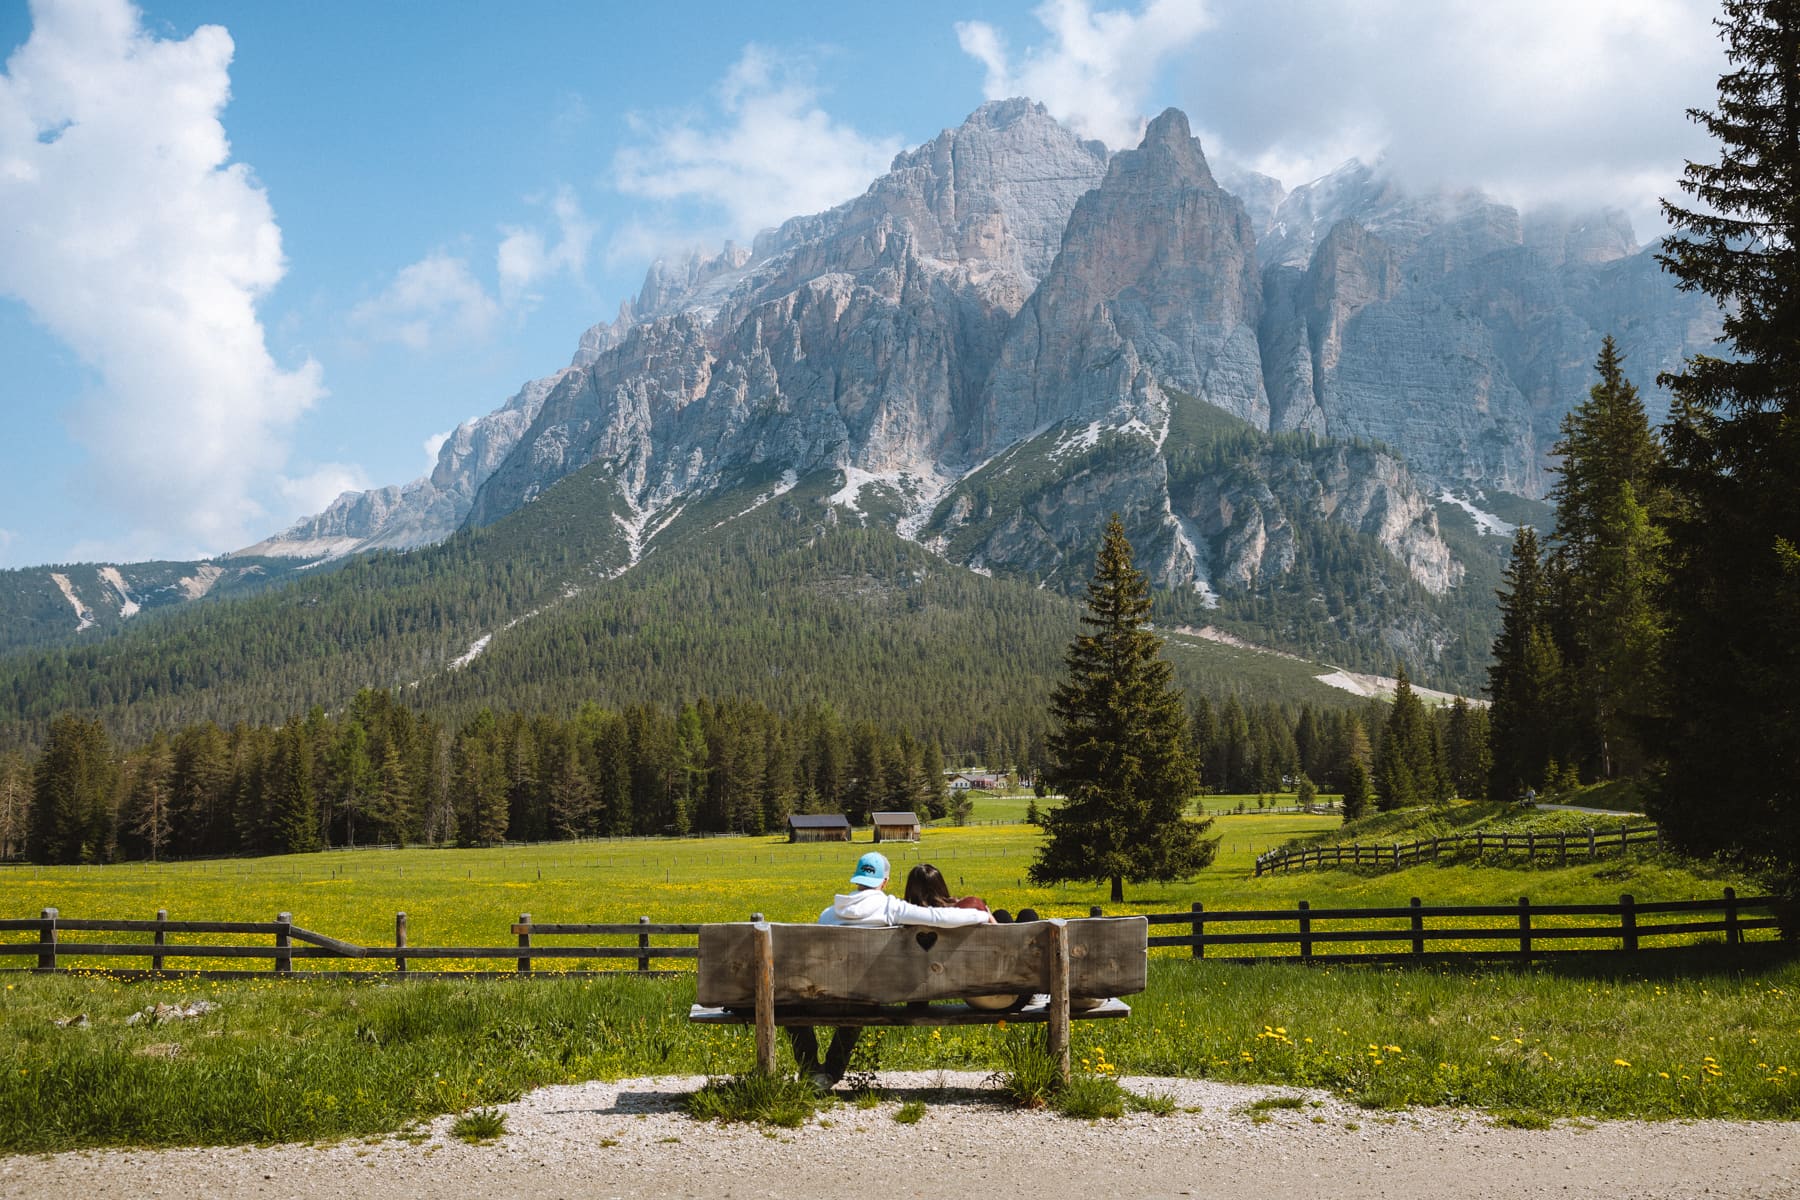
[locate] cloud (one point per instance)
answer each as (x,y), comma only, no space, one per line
(313,491)
(7,540)
(433,444)
(526,258)
(1534,100)
(765,152)
(1096,70)
(131,236)
(434,300)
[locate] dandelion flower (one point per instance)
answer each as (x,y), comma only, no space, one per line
(1619,1062)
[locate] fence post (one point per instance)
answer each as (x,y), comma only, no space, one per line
(643,946)
(400,941)
(1479,847)
(1057,1039)
(1733,935)
(284,954)
(524,964)
(159,938)
(1418,927)
(1199,928)
(1562,849)
(1628,923)
(1531,848)
(47,940)
(1396,856)
(1305,932)
(1591,843)
(1525,927)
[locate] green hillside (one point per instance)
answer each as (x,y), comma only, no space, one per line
(789,603)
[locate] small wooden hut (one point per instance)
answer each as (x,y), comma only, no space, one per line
(818,827)
(896,826)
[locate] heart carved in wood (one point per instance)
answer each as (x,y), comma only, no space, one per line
(926,939)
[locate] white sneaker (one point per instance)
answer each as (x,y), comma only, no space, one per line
(823,1082)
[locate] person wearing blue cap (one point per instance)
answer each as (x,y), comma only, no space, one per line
(867,905)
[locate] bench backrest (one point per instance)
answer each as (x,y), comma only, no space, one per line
(824,964)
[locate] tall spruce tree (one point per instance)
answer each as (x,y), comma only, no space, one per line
(1607,559)
(1119,752)
(1407,767)
(1524,681)
(72,793)
(1731,657)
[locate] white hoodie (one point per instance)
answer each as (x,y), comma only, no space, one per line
(874,908)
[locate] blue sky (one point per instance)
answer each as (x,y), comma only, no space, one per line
(251,254)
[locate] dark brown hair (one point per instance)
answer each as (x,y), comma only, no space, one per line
(925,887)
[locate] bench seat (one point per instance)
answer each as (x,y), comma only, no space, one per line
(907,1015)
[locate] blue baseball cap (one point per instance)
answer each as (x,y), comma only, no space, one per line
(871,870)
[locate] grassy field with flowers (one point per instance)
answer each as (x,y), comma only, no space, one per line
(292,1060)
(1686,1034)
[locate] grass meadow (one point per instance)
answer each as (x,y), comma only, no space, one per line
(1685,1034)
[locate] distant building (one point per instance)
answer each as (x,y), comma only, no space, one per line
(896,826)
(818,827)
(962,781)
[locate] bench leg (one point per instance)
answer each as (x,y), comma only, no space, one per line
(765,999)
(1059,999)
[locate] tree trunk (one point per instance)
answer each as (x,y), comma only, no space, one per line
(1118,889)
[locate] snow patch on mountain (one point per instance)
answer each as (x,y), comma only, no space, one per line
(83,613)
(472,653)
(785,485)
(128,607)
(1485,522)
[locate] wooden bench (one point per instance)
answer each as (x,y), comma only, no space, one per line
(768,975)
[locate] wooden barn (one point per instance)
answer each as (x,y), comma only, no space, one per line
(896,826)
(819,827)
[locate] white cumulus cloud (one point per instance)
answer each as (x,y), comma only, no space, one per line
(433,444)
(319,487)
(133,238)
(527,257)
(434,300)
(1534,100)
(765,151)
(1096,69)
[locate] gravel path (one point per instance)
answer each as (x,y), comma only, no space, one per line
(628,1138)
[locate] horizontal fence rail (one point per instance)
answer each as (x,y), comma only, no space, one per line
(1411,932)
(632,944)
(1417,931)
(1394,855)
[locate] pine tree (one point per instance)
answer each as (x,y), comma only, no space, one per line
(1468,759)
(1408,769)
(1607,560)
(1731,657)
(149,809)
(1120,748)
(292,803)
(1355,800)
(15,803)
(72,793)
(1525,678)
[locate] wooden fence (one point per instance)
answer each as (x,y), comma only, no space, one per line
(1397,854)
(290,942)
(1302,933)
(1519,931)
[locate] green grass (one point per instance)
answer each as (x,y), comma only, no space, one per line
(297,1060)
(755,1097)
(481,1125)
(910,1112)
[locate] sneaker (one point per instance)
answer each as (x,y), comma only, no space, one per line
(822,1082)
